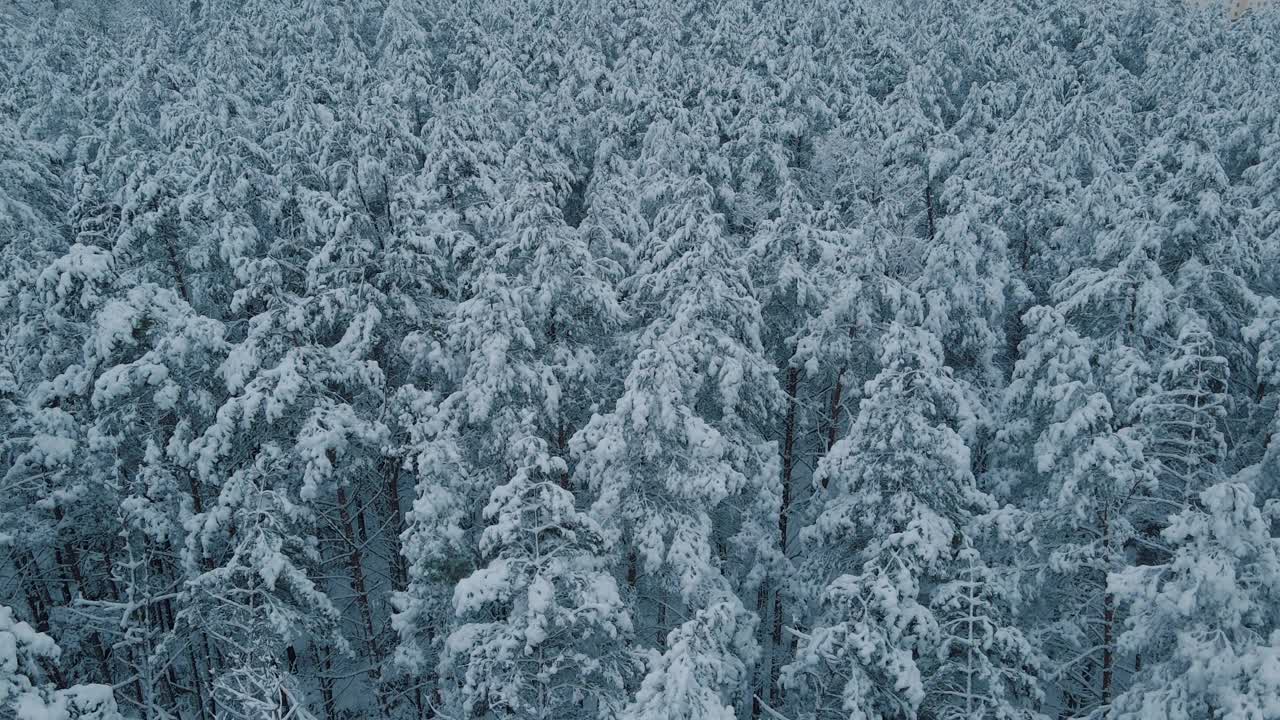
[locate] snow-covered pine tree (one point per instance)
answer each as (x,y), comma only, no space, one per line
(1210,611)
(66,495)
(796,260)
(983,666)
(898,489)
(702,669)
(25,654)
(1184,417)
(521,352)
(546,632)
(1260,447)
(256,596)
(920,151)
(155,388)
(963,284)
(678,466)
(1081,472)
(1200,239)
(203,202)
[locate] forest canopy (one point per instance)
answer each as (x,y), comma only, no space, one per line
(645,360)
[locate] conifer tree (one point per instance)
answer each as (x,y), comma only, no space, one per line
(1086,474)
(983,666)
(547,630)
(1209,611)
(898,489)
(312,312)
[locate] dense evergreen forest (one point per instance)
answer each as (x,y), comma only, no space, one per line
(639,360)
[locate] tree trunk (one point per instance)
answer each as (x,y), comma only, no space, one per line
(326,685)
(100,651)
(1108,651)
(361,528)
(37,591)
(399,570)
(833,428)
(179,277)
(784,517)
(291,660)
(562,447)
(930,212)
(355,564)
(65,559)
(1108,622)
(661,631)
(197,684)
(764,670)
(929,209)
(833,413)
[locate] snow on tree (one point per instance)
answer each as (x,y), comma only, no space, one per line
(1125,290)
(260,597)
(684,483)
(703,665)
(1085,473)
(1209,613)
(155,366)
(1264,331)
(1185,416)
(797,259)
(963,286)
(920,152)
(546,629)
(983,666)
(290,293)
(521,353)
(24,653)
(1202,242)
(897,490)
(1264,214)
(678,442)
(281,441)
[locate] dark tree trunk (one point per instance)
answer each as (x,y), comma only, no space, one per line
(784,517)
(355,565)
